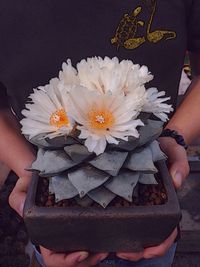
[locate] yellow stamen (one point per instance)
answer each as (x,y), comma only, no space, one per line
(59,118)
(100,119)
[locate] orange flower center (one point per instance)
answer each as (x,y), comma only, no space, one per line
(100,119)
(59,118)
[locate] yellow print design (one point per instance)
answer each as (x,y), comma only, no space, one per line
(126,32)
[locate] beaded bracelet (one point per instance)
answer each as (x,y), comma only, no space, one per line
(175,135)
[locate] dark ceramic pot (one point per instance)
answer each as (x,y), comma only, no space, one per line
(97,229)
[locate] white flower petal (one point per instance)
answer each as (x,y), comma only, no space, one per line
(68,75)
(100,146)
(90,143)
(84,133)
(128,125)
(154,104)
(111,140)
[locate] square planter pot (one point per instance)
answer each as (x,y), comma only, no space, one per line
(98,230)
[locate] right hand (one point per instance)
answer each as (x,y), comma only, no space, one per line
(51,258)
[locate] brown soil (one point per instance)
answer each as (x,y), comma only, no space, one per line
(148,195)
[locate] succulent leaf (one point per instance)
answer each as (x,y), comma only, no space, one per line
(123,184)
(150,131)
(129,145)
(40,141)
(48,143)
(157,153)
(136,191)
(141,161)
(77,152)
(110,161)
(84,202)
(61,141)
(63,188)
(144,116)
(86,179)
(51,189)
(147,178)
(102,196)
(51,162)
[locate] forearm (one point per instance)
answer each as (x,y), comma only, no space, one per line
(15,151)
(186,119)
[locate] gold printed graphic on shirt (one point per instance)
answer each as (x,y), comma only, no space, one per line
(127,30)
(126,33)
(158,35)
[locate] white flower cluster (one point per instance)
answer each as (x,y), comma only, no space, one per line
(102,99)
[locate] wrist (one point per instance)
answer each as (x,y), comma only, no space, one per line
(179,129)
(175,135)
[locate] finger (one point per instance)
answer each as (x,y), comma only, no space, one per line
(131,256)
(162,248)
(53,259)
(93,260)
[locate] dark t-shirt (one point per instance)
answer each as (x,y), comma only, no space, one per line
(36,36)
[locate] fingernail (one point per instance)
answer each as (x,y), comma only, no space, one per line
(102,257)
(149,256)
(21,209)
(82,256)
(178,178)
(123,256)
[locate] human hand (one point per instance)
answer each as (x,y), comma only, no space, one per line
(75,259)
(177,160)
(52,259)
(150,252)
(179,170)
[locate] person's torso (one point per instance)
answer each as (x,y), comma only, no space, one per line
(37,36)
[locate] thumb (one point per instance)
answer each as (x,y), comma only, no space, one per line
(17,200)
(18,196)
(179,170)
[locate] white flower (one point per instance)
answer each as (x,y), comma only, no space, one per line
(103,118)
(47,112)
(104,96)
(110,75)
(154,104)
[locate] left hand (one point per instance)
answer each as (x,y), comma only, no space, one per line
(179,170)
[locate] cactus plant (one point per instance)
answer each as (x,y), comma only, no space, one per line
(92,130)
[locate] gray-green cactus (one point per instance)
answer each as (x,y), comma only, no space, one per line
(74,172)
